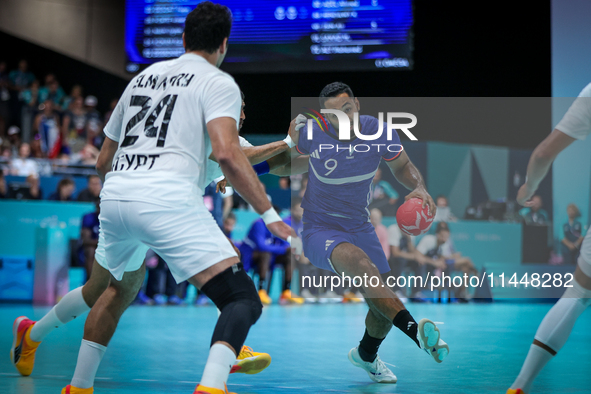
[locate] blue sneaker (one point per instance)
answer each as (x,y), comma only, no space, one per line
(160,299)
(143,299)
(175,300)
(202,300)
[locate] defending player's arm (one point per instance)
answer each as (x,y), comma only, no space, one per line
(407,174)
(226,149)
(540,162)
(105,158)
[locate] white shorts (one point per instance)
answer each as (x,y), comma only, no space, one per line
(187,238)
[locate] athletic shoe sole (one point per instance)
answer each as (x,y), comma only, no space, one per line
(15,325)
(430,335)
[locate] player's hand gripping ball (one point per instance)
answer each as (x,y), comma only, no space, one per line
(412,219)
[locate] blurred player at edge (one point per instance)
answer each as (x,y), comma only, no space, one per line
(338,235)
(156,174)
(560,320)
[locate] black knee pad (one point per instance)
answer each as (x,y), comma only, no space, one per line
(235,295)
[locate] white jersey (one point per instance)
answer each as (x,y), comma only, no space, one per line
(214,171)
(576,122)
(160,124)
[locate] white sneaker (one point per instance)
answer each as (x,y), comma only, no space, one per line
(377,371)
(308,296)
(429,338)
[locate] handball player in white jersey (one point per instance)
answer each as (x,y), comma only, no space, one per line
(559,321)
(169,120)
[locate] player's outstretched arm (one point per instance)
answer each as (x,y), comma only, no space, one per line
(226,149)
(540,162)
(407,174)
(105,158)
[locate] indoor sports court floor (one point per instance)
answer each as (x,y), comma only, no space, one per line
(164,349)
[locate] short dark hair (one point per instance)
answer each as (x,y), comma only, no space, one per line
(333,90)
(65,182)
(207,26)
(441,226)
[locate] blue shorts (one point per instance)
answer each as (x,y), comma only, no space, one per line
(322,233)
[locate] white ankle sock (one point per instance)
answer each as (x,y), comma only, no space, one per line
(69,307)
(553,332)
(219,363)
(535,361)
(89,359)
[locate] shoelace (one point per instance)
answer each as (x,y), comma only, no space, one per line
(247,350)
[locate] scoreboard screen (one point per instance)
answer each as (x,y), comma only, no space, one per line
(282,36)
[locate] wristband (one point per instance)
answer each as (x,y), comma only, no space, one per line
(261,168)
(270,216)
(289,142)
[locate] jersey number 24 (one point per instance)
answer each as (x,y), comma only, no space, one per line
(150,130)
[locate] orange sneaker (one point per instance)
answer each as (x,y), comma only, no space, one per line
(208,390)
(351,297)
(515,391)
(265,299)
(287,297)
(250,362)
(22,352)
(69,389)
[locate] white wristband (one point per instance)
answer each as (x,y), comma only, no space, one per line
(289,142)
(270,216)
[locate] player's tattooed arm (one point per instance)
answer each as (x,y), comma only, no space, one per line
(105,158)
(407,174)
(540,162)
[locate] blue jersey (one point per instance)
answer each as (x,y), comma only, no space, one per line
(341,172)
(91,222)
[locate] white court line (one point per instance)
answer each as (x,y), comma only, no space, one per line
(144,380)
(52,376)
(185,381)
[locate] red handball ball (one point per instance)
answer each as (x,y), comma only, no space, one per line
(412,219)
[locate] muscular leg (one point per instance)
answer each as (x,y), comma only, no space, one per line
(235,295)
(556,328)
(73,304)
(101,324)
(350,260)
(376,329)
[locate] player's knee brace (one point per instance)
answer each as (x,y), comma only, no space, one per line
(235,295)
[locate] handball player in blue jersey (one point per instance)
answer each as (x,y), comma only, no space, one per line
(338,235)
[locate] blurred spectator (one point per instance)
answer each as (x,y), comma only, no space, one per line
(31,102)
(21,78)
(88,156)
(383,195)
(443,213)
(381,230)
(535,214)
(573,235)
(14,139)
(259,250)
(47,126)
(161,286)
(52,91)
(438,250)
(284,183)
(111,109)
(229,224)
(214,203)
(74,125)
(65,190)
(89,234)
(93,189)
(404,257)
(31,192)
(36,149)
(3,190)
(4,99)
(23,165)
(94,122)
(75,93)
